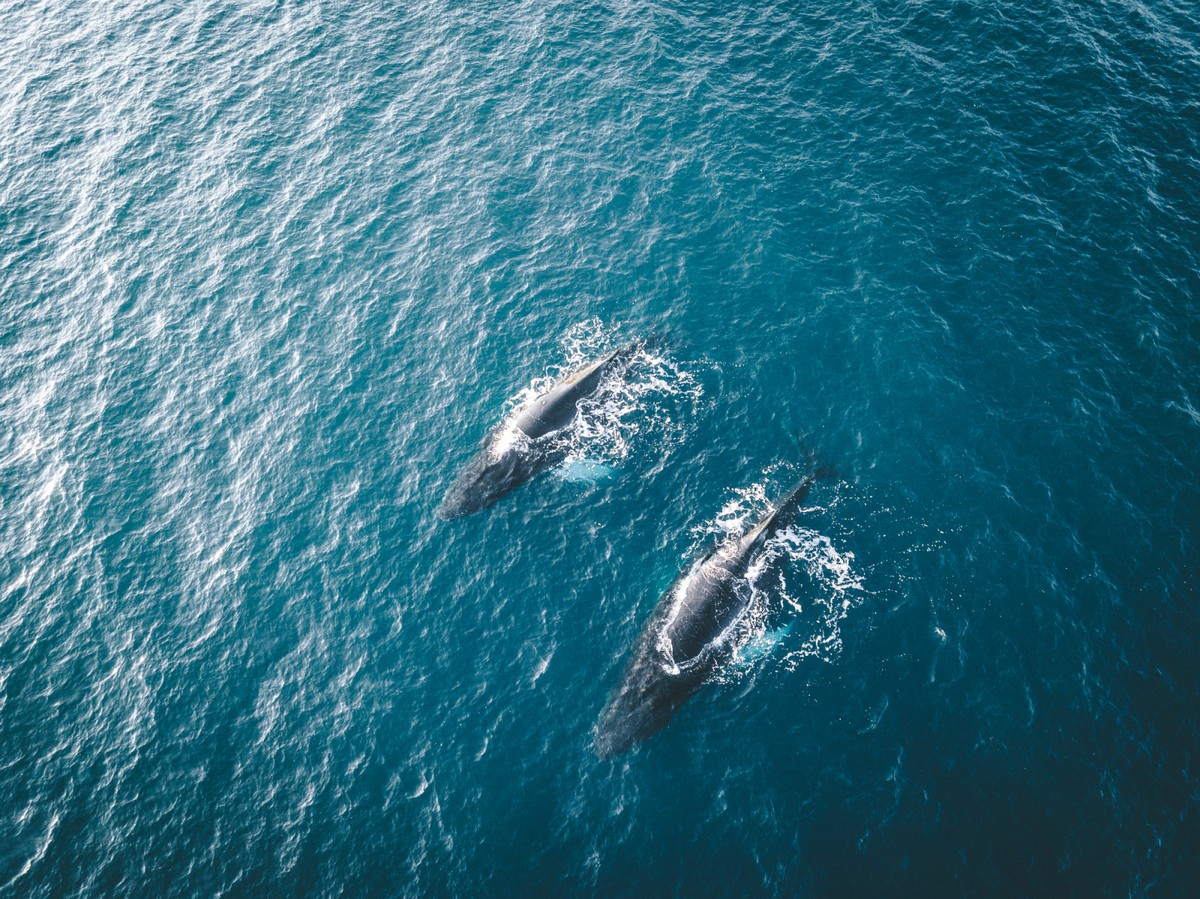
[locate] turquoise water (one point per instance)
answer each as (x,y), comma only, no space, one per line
(270,270)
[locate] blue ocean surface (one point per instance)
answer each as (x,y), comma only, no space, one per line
(271,269)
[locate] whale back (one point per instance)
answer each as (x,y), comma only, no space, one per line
(557,407)
(712,599)
(717,594)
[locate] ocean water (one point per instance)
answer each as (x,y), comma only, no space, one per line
(270,270)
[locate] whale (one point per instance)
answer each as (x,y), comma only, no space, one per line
(529,443)
(694,631)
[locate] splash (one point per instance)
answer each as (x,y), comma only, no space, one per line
(820,598)
(508,436)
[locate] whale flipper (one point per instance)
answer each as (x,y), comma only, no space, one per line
(761,645)
(586,471)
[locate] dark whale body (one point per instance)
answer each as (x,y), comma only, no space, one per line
(499,467)
(692,632)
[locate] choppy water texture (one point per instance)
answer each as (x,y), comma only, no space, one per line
(268,272)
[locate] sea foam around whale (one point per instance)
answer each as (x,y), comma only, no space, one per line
(643,406)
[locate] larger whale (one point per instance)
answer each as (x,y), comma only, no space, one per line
(531,442)
(693,631)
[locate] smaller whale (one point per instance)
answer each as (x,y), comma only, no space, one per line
(693,631)
(530,443)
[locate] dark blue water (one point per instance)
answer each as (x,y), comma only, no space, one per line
(269,271)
